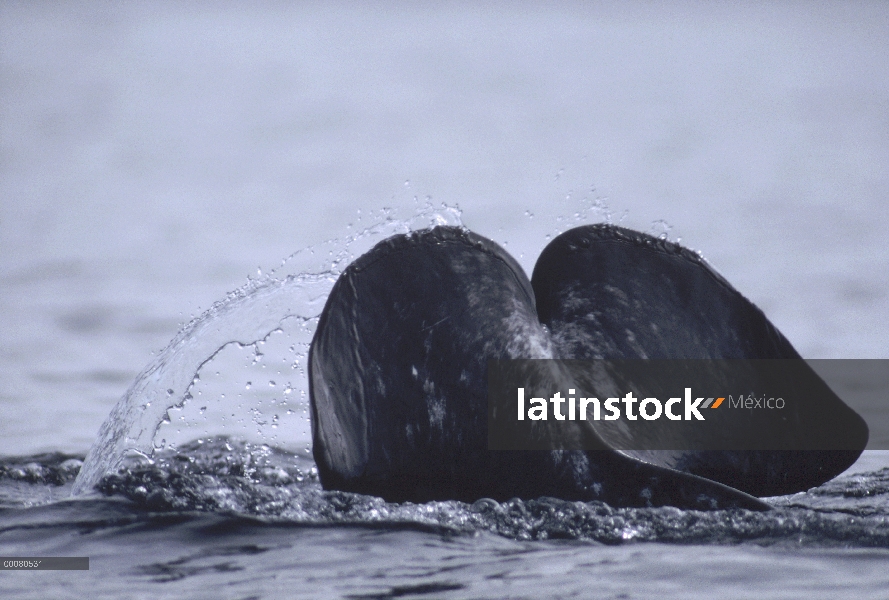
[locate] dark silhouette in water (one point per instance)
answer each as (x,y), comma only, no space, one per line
(398,369)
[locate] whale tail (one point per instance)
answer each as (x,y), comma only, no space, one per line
(398,369)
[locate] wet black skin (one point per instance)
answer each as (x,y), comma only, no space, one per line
(398,370)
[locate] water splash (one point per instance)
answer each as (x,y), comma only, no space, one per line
(290,297)
(223,475)
(227,476)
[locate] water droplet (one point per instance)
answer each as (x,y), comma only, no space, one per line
(249,383)
(271,384)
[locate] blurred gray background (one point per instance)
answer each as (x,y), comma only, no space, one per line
(155,154)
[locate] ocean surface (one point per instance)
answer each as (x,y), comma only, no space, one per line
(181,184)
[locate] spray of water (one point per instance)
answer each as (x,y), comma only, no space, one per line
(290,298)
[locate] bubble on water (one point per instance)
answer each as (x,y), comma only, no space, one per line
(660,229)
